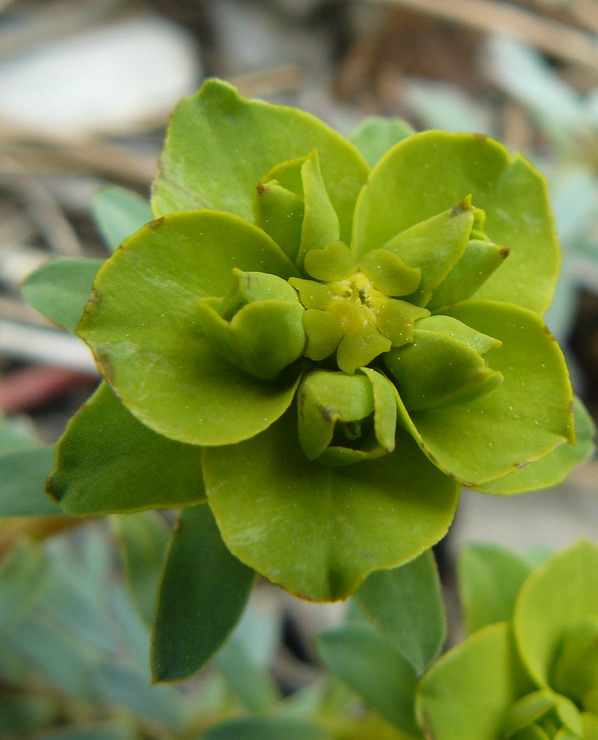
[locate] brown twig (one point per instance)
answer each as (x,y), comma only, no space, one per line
(490,16)
(42,207)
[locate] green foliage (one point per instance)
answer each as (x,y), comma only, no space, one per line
(119,212)
(490,577)
(25,463)
(376,135)
(406,606)
(191,624)
(109,462)
(60,289)
(530,667)
(373,668)
(334,350)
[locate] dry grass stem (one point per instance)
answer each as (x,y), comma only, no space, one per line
(555,38)
(44,347)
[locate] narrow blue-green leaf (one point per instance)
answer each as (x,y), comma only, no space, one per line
(23,474)
(108,462)
(60,289)
(203,592)
(112,730)
(121,684)
(14,437)
(373,668)
(267,728)
(143,539)
(405,604)
(490,577)
(64,660)
(253,684)
(118,213)
(23,571)
(375,135)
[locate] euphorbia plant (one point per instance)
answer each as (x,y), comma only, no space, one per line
(529,668)
(334,349)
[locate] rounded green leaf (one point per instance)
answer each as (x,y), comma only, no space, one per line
(553,469)
(109,462)
(220,145)
(143,328)
(521,420)
(318,530)
(429,172)
(559,593)
(467,693)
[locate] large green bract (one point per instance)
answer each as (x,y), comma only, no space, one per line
(346,345)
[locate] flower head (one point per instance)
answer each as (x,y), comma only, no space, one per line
(347,347)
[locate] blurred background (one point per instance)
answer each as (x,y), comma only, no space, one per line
(86,87)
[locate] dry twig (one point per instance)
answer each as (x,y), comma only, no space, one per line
(488,15)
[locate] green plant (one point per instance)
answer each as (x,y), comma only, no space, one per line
(334,350)
(528,668)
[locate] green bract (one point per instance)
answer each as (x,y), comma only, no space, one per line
(346,346)
(534,676)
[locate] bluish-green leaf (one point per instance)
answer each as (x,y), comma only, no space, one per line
(490,577)
(131,688)
(143,539)
(23,571)
(61,288)
(375,135)
(405,604)
(254,686)
(203,593)
(373,668)
(14,437)
(121,729)
(65,661)
(23,474)
(118,213)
